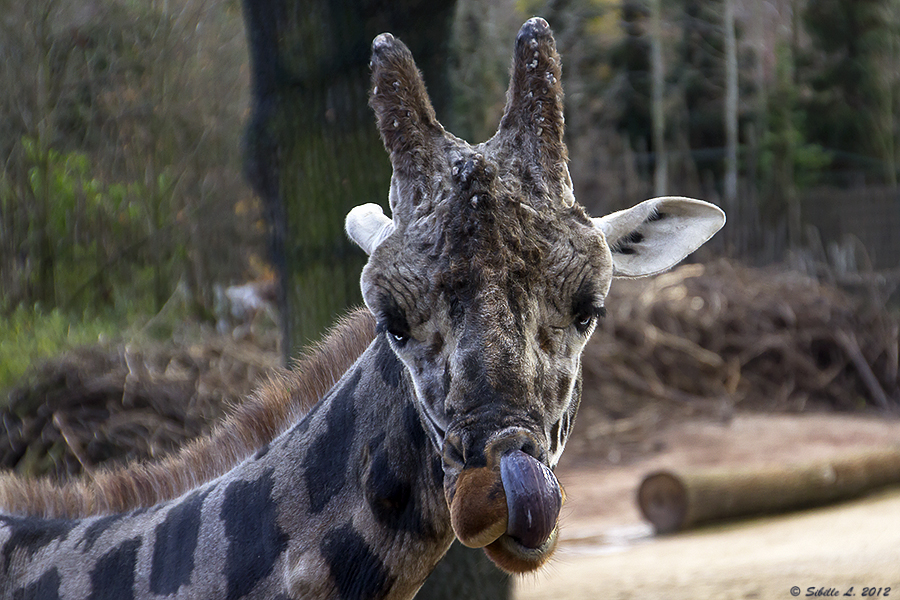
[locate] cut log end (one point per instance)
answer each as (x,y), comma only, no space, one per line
(663,501)
(677,501)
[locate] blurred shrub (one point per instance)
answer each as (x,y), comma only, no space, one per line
(30,334)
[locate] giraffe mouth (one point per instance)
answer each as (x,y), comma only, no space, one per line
(512,513)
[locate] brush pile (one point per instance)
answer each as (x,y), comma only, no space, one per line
(712,338)
(701,340)
(94,405)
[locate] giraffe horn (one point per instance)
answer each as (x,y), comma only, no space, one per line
(405,117)
(533,121)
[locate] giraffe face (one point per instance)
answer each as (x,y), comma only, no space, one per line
(488,303)
(488,281)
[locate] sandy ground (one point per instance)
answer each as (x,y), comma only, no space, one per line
(606,551)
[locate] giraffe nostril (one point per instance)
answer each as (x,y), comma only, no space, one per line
(514,439)
(530,448)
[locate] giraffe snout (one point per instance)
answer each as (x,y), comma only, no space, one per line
(504,498)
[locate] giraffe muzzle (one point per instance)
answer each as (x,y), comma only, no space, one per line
(511,511)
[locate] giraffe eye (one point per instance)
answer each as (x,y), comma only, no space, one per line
(586,317)
(392,320)
(394,334)
(583,323)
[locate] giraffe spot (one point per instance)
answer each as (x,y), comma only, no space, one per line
(176,541)
(30,534)
(255,541)
(412,426)
(471,367)
(326,461)
(388,365)
(391,497)
(357,572)
(388,495)
(93,532)
(554,437)
(113,577)
(45,588)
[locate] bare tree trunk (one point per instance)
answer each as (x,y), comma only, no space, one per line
(313,152)
(731,109)
(658,82)
(793,200)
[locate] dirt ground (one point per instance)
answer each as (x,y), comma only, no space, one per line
(607,551)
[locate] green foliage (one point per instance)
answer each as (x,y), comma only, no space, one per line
(788,158)
(120,145)
(852,75)
(30,334)
(97,229)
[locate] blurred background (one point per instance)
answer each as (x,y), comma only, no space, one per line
(175,175)
(121,127)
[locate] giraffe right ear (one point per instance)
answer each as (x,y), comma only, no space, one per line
(657,234)
(368,226)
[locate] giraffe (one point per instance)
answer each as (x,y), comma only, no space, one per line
(482,289)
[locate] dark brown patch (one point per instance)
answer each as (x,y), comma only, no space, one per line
(358,573)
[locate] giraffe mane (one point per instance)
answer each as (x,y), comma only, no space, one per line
(275,405)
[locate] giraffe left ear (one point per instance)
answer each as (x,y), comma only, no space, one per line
(657,234)
(368,226)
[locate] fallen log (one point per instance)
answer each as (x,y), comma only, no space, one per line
(678,501)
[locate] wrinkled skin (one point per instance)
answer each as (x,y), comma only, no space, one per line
(488,282)
(491,340)
(488,288)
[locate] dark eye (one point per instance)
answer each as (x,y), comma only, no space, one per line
(400,338)
(394,333)
(392,320)
(583,323)
(585,317)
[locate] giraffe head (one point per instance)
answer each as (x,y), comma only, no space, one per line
(488,281)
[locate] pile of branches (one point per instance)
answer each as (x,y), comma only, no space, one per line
(701,339)
(721,336)
(95,405)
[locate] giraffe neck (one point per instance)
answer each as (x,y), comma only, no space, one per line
(348,503)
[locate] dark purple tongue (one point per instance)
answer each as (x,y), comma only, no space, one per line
(533,498)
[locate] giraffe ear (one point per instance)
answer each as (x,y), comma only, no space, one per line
(367,226)
(657,234)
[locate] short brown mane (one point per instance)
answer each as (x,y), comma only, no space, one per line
(275,405)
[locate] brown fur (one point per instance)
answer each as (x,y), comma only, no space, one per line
(278,403)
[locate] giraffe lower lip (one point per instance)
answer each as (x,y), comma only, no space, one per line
(511,556)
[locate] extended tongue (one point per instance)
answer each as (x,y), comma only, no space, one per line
(533,498)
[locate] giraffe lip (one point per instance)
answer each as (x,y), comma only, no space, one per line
(513,557)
